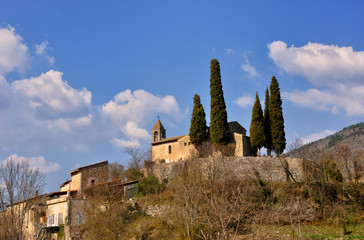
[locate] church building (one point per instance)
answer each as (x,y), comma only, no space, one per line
(180,148)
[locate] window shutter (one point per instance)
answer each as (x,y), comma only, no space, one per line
(60,218)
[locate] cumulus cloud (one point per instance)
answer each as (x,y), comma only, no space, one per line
(322,65)
(45,110)
(342,99)
(14,54)
(36,162)
(41,50)
(129,111)
(244,101)
(317,136)
(335,72)
(51,97)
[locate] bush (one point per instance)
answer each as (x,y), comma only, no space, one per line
(150,185)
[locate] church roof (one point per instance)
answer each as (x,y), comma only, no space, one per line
(158,125)
(235,127)
(166,140)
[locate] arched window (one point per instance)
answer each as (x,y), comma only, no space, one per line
(155,136)
(169,149)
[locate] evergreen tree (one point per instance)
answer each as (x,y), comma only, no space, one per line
(198,128)
(257,137)
(276,118)
(267,130)
(219,130)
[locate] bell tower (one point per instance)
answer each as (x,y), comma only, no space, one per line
(158,131)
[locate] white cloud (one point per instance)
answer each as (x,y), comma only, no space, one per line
(14,54)
(336,72)
(45,111)
(340,99)
(244,101)
(51,97)
(317,136)
(125,143)
(229,51)
(322,65)
(130,111)
(41,49)
(36,162)
(247,67)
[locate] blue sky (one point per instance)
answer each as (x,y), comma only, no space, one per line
(80,80)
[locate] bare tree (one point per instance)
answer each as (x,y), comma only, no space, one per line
(105,212)
(19,184)
(116,171)
(136,157)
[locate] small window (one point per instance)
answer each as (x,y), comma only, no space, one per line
(189,143)
(78,219)
(169,149)
(185,144)
(93,182)
(155,136)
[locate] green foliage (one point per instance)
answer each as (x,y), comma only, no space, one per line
(198,129)
(132,174)
(61,232)
(333,173)
(276,117)
(150,185)
(335,139)
(257,137)
(267,128)
(219,129)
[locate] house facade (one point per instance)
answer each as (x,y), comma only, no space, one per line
(45,215)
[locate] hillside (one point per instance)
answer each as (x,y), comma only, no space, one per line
(352,135)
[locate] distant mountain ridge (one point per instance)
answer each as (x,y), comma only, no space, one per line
(352,135)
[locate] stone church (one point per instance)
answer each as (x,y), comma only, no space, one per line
(180,148)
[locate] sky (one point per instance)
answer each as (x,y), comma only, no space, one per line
(82,80)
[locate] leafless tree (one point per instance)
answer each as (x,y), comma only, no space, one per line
(105,213)
(116,171)
(136,157)
(19,184)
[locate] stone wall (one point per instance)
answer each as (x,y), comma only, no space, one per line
(75,183)
(269,168)
(94,175)
(181,149)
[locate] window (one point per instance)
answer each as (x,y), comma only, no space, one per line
(93,182)
(185,144)
(78,218)
(169,149)
(155,136)
(60,218)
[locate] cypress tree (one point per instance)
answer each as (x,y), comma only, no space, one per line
(198,128)
(267,130)
(219,130)
(276,118)
(257,137)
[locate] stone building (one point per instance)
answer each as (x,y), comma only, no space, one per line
(44,215)
(180,148)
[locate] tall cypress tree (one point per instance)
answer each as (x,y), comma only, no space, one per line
(219,130)
(257,137)
(198,128)
(276,117)
(267,130)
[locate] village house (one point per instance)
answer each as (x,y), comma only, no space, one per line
(180,148)
(46,214)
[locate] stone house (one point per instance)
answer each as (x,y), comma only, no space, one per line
(180,148)
(46,214)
